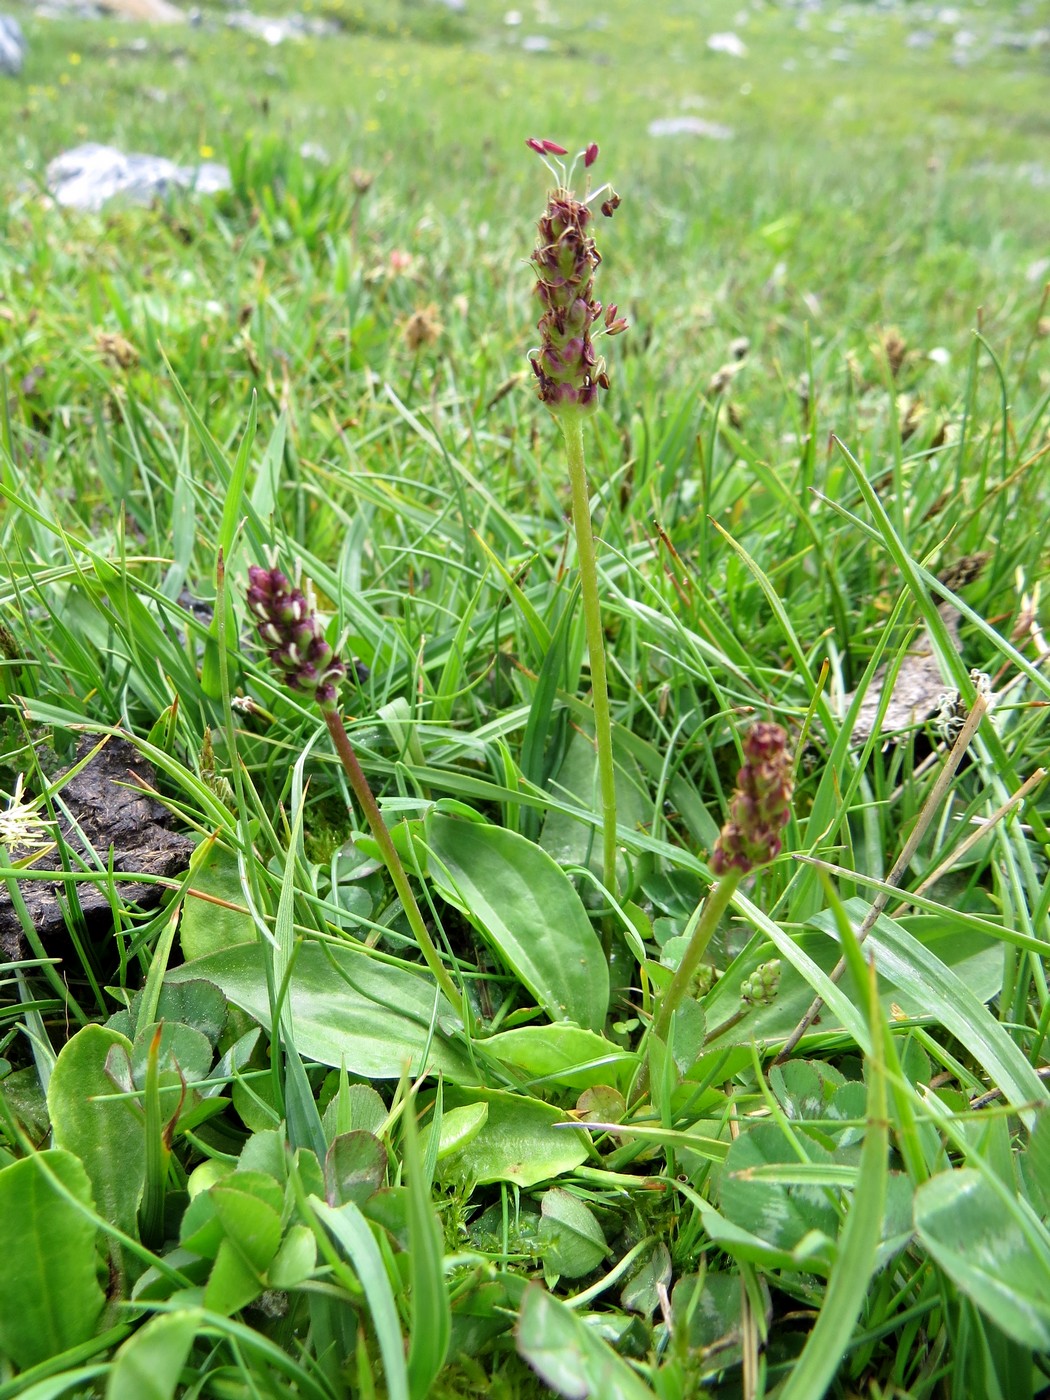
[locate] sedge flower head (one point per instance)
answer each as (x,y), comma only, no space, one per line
(289,627)
(569,370)
(21,826)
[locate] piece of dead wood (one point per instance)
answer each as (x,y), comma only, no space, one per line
(123,826)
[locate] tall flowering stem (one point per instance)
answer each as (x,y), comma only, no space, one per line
(288,624)
(758,812)
(570,375)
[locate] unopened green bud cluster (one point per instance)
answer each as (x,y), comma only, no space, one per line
(761,987)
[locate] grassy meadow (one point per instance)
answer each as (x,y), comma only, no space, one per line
(290,1108)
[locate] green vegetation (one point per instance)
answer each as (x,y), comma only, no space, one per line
(250,1145)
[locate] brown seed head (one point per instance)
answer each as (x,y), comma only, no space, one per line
(761,804)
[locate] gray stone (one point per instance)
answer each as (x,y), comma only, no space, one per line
(275,29)
(12,47)
(689,126)
(728,43)
(88,176)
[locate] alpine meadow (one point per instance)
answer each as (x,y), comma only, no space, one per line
(524,694)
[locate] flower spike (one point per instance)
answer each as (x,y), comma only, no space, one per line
(569,371)
(288,624)
(761,804)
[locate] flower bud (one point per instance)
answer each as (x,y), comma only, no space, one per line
(760,989)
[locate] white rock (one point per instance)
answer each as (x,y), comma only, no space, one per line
(88,176)
(275,29)
(728,43)
(689,126)
(12,47)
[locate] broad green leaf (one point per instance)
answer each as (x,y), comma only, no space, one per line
(459,1128)
(689,1027)
(991,1248)
(106,1134)
(564,1054)
(50,1298)
(528,909)
(571,1238)
(147,1366)
(264,1153)
(206,926)
(295,1260)
(574,842)
(200,1230)
(602,1104)
(707,1308)
(354,1167)
(777,1213)
(346,1009)
(569,1356)
(743,1245)
(768,1024)
(198,1004)
(183,1052)
(641,1292)
(233,1283)
(354,1106)
(209,1217)
(518,1142)
(208,1174)
(252,1226)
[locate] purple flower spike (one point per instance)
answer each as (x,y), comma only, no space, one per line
(295,644)
(569,371)
(761,805)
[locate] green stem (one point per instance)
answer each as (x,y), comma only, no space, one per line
(714,907)
(392,860)
(158,1151)
(572,427)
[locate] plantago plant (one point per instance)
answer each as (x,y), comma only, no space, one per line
(571,374)
(288,624)
(758,811)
